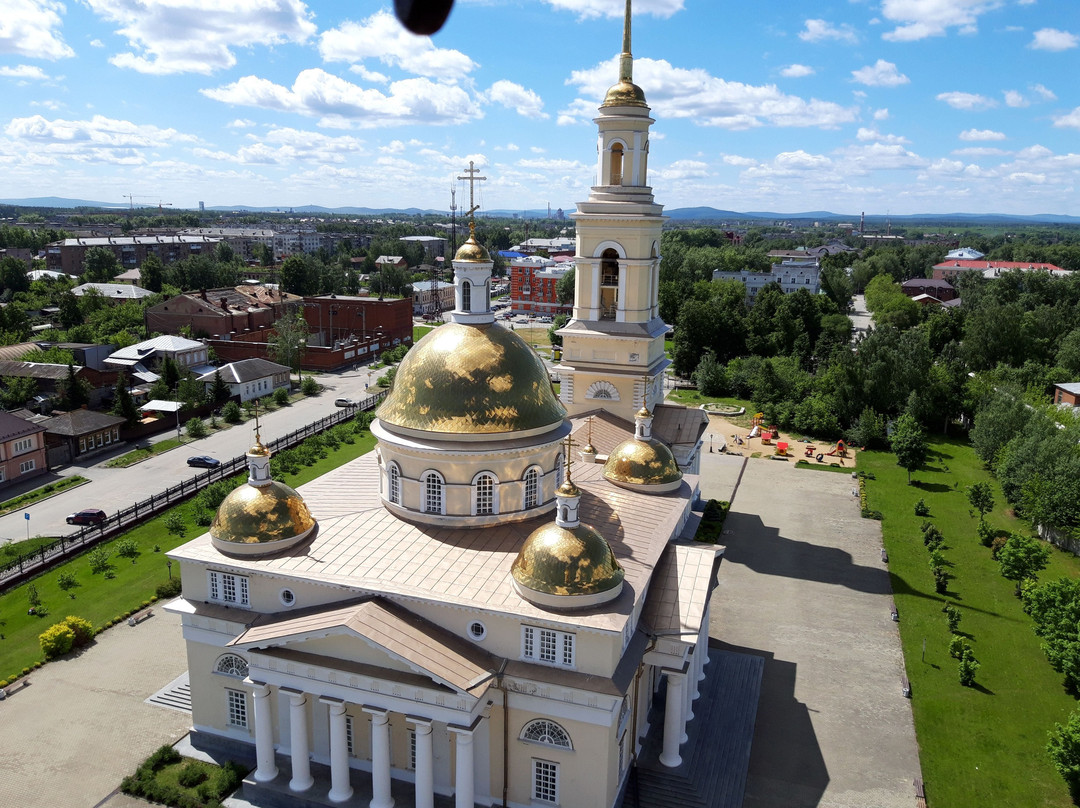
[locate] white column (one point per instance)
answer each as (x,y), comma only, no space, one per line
(689,695)
(703,641)
(266,768)
(673,719)
(380,759)
(340,787)
(464,788)
(425,763)
(298,740)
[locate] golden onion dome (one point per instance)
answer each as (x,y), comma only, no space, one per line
(637,462)
(643,412)
(471,379)
(573,562)
(568,489)
(472,250)
(261,519)
(258,450)
(624,94)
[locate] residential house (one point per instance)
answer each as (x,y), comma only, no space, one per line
(427,299)
(22,450)
(80,434)
(949,270)
(113,292)
(131,251)
(791,274)
(940,290)
(1067,394)
(533,283)
(250,378)
(144,359)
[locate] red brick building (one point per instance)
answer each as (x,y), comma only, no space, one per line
(130,251)
(948,270)
(938,289)
(533,283)
(218,313)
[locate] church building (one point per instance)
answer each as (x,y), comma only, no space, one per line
(484,609)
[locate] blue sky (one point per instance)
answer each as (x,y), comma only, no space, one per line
(902,106)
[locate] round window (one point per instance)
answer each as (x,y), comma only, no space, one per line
(287,597)
(477,630)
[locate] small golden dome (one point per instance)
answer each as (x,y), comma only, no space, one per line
(258,450)
(567,562)
(589,449)
(568,489)
(471,379)
(472,250)
(643,412)
(643,463)
(272,516)
(624,94)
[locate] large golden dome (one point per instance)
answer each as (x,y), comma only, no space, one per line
(624,94)
(565,561)
(261,519)
(471,379)
(638,462)
(472,250)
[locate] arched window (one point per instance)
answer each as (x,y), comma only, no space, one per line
(532,488)
(546,732)
(433,492)
(609,284)
(394,486)
(466,296)
(232,665)
(484,494)
(559,463)
(616,163)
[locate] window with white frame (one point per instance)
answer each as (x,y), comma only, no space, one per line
(394,474)
(27,465)
(545,781)
(412,749)
(548,646)
(546,732)
(559,463)
(224,587)
(349,736)
(3,474)
(237,701)
(433,492)
(232,665)
(484,494)
(23,445)
(532,488)
(466,296)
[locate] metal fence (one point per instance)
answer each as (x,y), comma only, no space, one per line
(22,568)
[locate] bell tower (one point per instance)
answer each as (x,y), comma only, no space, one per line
(613,347)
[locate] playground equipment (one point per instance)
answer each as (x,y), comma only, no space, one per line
(839,451)
(766,437)
(781,448)
(809,452)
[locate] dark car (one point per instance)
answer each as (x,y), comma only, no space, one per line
(91,516)
(203,462)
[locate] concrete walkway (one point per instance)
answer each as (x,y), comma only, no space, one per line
(802,585)
(81,726)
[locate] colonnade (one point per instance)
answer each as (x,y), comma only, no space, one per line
(682,690)
(340,772)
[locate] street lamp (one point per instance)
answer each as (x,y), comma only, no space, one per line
(168,563)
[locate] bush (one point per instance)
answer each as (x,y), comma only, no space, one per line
(309,386)
(281,396)
(196,428)
(192,775)
(170,589)
(174,523)
(230,413)
(952,615)
(387,379)
(203,517)
(967,668)
(997,544)
(1063,746)
(81,628)
(363,420)
(127,548)
(986,534)
(66,580)
(921,508)
(941,580)
(56,640)
(98,559)
(932,537)
(956,647)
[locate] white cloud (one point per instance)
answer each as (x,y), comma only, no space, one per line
(880,74)
(96,43)
(1070,119)
(1014,98)
(285,146)
(980,151)
(1051,39)
(874,135)
(796,71)
(879,157)
(318,93)
(513,96)
(694,94)
(822,31)
(240,123)
(683,170)
(23,72)
(382,37)
(981,134)
(738,160)
(1043,92)
(919,19)
(881,114)
(374,76)
(393,147)
(176,37)
(615,8)
(966,101)
(98,140)
(32,28)
(552,164)
(533,149)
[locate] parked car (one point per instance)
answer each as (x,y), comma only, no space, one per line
(90,516)
(344,402)
(203,462)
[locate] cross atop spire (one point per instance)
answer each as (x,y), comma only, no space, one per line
(472,178)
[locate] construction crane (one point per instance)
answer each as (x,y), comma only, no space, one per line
(132,197)
(161,205)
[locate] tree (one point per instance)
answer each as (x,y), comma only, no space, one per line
(564,288)
(70,314)
(908,443)
(968,667)
(123,403)
(152,274)
(288,341)
(263,254)
(1022,559)
(553,330)
(1063,746)
(99,265)
(298,277)
(67,581)
(981,497)
(219,390)
(74,392)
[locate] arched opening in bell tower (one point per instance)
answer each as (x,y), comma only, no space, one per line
(609,284)
(616,164)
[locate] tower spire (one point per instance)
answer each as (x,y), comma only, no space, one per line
(626,59)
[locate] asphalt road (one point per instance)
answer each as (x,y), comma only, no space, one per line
(113,489)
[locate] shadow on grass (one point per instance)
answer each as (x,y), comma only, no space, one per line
(933,488)
(901,587)
(984,690)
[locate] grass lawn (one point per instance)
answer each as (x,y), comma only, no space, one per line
(38,494)
(984,745)
(692,398)
(139,455)
(420,330)
(99,599)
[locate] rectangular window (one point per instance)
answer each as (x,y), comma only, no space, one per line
(548,646)
(225,587)
(237,708)
(24,445)
(545,781)
(412,749)
(100,440)
(349,736)
(82,445)
(27,465)
(3,474)
(115,434)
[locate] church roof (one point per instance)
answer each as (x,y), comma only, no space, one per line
(680,589)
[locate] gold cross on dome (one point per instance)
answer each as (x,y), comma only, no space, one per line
(570,444)
(472,178)
(257,438)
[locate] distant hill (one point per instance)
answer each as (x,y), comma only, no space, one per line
(59,202)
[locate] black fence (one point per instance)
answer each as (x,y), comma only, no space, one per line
(24,567)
